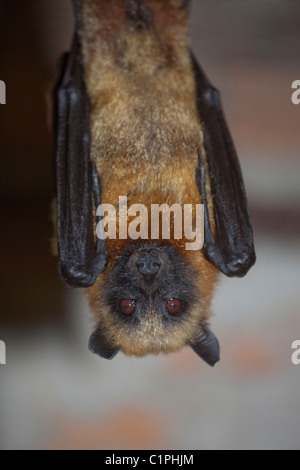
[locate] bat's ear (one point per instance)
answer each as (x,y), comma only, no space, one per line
(100,345)
(206,345)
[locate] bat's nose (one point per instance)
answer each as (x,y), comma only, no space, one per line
(148,264)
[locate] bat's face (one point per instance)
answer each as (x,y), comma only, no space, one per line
(147,301)
(150,293)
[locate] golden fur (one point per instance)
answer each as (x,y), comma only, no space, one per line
(145,135)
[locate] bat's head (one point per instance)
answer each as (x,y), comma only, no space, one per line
(151,299)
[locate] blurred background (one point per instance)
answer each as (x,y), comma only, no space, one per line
(54,394)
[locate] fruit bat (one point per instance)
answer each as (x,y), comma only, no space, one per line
(136,116)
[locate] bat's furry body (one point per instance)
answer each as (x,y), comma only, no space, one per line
(148,143)
(144,122)
(145,134)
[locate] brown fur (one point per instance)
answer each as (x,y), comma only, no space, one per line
(145,135)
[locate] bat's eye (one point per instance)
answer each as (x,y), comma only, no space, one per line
(127,306)
(174,306)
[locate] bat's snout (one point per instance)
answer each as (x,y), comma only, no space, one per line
(148,264)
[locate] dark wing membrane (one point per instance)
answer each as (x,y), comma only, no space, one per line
(80,262)
(232,250)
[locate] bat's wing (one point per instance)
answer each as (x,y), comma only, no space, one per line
(80,259)
(232,249)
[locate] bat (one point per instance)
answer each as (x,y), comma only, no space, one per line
(137,117)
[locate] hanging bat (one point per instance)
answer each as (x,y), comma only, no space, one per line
(137,117)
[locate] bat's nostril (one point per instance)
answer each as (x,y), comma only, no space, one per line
(141,265)
(154,266)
